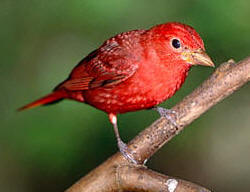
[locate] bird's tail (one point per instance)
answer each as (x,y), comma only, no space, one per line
(51,98)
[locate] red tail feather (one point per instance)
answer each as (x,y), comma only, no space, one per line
(52,97)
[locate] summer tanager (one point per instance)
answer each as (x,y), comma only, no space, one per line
(133,70)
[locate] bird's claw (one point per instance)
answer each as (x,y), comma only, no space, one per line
(126,152)
(167,114)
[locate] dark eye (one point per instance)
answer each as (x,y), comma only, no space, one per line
(176,43)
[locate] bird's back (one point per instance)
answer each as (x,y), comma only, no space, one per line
(151,83)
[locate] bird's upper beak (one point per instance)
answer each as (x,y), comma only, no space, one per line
(197,57)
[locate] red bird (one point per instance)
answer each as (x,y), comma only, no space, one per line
(133,70)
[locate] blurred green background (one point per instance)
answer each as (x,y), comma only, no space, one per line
(49,148)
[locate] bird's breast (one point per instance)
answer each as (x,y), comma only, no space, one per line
(147,88)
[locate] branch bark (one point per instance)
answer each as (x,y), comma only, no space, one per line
(117,174)
(133,178)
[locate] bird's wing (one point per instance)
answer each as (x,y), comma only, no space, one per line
(111,64)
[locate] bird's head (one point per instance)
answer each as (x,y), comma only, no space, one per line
(180,43)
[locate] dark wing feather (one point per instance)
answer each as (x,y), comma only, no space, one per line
(114,62)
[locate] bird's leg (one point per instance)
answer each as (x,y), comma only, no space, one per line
(167,114)
(126,152)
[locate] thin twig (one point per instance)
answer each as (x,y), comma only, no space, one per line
(223,82)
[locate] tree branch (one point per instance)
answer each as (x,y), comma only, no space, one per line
(118,174)
(133,178)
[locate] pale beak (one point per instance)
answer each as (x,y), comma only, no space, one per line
(197,57)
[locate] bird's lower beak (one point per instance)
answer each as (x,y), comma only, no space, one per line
(198,57)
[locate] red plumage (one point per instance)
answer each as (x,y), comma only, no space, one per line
(133,70)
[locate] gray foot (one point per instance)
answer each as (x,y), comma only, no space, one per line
(167,114)
(126,152)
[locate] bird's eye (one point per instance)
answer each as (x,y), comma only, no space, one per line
(176,43)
